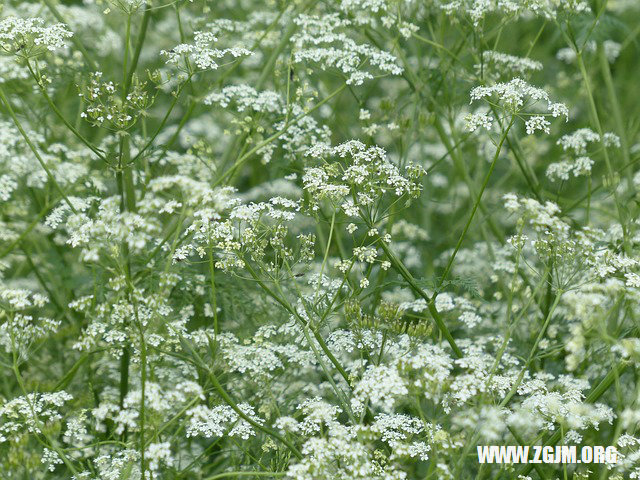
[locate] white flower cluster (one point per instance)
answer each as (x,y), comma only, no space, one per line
(157,454)
(201,52)
(221,420)
(29,37)
(581,166)
(104,106)
(246,98)
(23,327)
(262,357)
(517,93)
(519,98)
(375,12)
(477,10)
(579,140)
(542,216)
(320,42)
(564,404)
(50,458)
(504,63)
(276,115)
(20,331)
(92,233)
(159,402)
(336,450)
(381,385)
(234,273)
(577,144)
(366,177)
(537,122)
(30,413)
(473,121)
(253,28)
(113,465)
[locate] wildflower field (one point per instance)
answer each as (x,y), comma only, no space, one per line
(318,240)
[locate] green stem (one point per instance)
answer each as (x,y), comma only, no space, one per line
(337,390)
(541,333)
(610,172)
(293,312)
(514,388)
(326,250)
(125,70)
(20,380)
(617,112)
(143,382)
(229,401)
(246,474)
(59,114)
(34,150)
(214,303)
(169,422)
(475,207)
(136,53)
(276,135)
(404,272)
(164,120)
(31,226)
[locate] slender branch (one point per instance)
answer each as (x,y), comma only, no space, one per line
(59,114)
(229,401)
(35,150)
(246,474)
(276,135)
(475,207)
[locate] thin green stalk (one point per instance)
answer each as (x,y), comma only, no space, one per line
(402,270)
(595,189)
(229,401)
(22,236)
(339,393)
(138,48)
(126,191)
(510,327)
(127,202)
(598,125)
(541,333)
(293,312)
(617,112)
(516,384)
(44,285)
(436,45)
(143,383)
(214,303)
(20,380)
(246,474)
(240,161)
(326,251)
(164,120)
(59,114)
(35,150)
(125,69)
(172,420)
(475,206)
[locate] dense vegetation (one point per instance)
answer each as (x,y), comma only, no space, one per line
(317,239)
